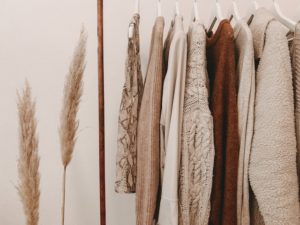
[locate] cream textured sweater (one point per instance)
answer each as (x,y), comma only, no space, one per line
(171,120)
(246,94)
(197,153)
(272,167)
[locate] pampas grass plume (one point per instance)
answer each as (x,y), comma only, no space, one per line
(28,163)
(72,94)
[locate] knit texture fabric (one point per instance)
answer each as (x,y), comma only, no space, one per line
(148,152)
(296,81)
(223,83)
(272,168)
(197,152)
(245,70)
(128,115)
(171,124)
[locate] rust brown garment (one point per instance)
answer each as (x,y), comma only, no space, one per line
(223,103)
(148,148)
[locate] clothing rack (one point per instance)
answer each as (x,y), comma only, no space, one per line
(230,44)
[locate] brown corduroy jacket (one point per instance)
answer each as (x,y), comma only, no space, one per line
(223,103)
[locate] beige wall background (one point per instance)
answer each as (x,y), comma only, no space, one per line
(121,208)
(37,41)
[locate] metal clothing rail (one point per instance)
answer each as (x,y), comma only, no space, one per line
(101,114)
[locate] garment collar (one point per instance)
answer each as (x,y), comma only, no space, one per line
(178,22)
(259,25)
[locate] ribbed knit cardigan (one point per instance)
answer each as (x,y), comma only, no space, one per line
(171,123)
(296,79)
(272,168)
(246,93)
(223,93)
(148,150)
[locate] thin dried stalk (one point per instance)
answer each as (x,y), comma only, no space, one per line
(28,163)
(72,94)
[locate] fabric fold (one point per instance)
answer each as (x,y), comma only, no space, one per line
(296,82)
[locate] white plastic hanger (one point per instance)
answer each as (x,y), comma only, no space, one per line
(217,13)
(196,11)
(136,11)
(137,7)
(177,8)
(235,11)
(254,6)
(159,8)
(282,18)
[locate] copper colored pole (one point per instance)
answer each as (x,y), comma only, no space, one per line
(101,113)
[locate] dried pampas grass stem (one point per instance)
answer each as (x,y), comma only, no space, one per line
(28,163)
(69,122)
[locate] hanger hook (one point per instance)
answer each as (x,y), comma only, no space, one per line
(196,12)
(158,7)
(137,6)
(177,7)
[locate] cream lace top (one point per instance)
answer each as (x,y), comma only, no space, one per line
(197,154)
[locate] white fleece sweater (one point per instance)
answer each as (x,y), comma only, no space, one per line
(272,169)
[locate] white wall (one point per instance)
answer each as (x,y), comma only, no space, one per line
(37,39)
(121,208)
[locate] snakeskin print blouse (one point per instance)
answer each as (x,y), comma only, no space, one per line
(128,116)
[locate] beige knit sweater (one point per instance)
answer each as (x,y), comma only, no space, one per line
(171,122)
(246,94)
(272,169)
(197,152)
(148,152)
